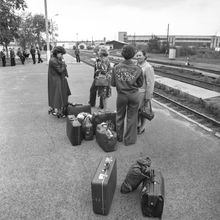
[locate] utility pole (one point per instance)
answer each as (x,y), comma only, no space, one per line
(47,35)
(168,45)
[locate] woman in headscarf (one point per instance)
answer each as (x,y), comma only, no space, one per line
(58,88)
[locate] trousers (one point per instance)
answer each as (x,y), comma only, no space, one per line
(127,104)
(92,97)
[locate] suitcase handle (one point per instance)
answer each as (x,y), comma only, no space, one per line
(75,105)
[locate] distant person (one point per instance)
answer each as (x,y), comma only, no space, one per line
(20,55)
(33,53)
(12,56)
(127,77)
(187,61)
(77,54)
(3,57)
(58,88)
(26,53)
(146,91)
(39,55)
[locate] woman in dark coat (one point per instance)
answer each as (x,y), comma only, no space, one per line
(58,88)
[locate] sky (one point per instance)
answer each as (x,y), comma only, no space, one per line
(96,19)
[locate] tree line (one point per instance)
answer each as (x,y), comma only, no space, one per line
(17,24)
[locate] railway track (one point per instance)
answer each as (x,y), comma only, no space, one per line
(189,80)
(206,122)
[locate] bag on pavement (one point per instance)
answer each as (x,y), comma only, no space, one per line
(107,117)
(87,128)
(152,195)
(136,174)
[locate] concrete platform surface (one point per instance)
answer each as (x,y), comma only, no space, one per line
(195,91)
(43,177)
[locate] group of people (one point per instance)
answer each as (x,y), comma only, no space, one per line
(22,54)
(134,82)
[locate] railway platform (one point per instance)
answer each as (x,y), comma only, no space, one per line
(44,177)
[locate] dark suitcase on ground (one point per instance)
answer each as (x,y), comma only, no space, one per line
(75,109)
(106,139)
(103,185)
(108,117)
(73,130)
(152,195)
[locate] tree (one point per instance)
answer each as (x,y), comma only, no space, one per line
(10,21)
(154,44)
(31,29)
(39,28)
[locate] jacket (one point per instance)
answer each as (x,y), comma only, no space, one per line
(148,85)
(127,77)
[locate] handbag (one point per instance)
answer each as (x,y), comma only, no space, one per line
(146,112)
(101,80)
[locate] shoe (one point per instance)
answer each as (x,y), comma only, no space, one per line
(142,131)
(54,113)
(119,139)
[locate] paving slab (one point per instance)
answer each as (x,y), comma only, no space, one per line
(44,177)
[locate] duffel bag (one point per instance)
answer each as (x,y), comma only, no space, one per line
(107,117)
(136,174)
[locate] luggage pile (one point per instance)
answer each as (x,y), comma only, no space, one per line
(152,187)
(151,184)
(81,124)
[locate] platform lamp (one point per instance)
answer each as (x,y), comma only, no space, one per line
(47,34)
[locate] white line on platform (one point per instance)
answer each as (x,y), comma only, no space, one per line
(188,119)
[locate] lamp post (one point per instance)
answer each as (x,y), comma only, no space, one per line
(47,35)
(76,40)
(52,29)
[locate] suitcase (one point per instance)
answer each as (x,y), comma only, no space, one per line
(73,130)
(152,195)
(103,185)
(106,138)
(108,117)
(75,109)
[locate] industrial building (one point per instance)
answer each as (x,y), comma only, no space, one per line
(207,41)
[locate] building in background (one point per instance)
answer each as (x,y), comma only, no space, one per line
(114,44)
(205,41)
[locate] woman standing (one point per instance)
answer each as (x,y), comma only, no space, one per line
(146,91)
(127,77)
(58,88)
(103,68)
